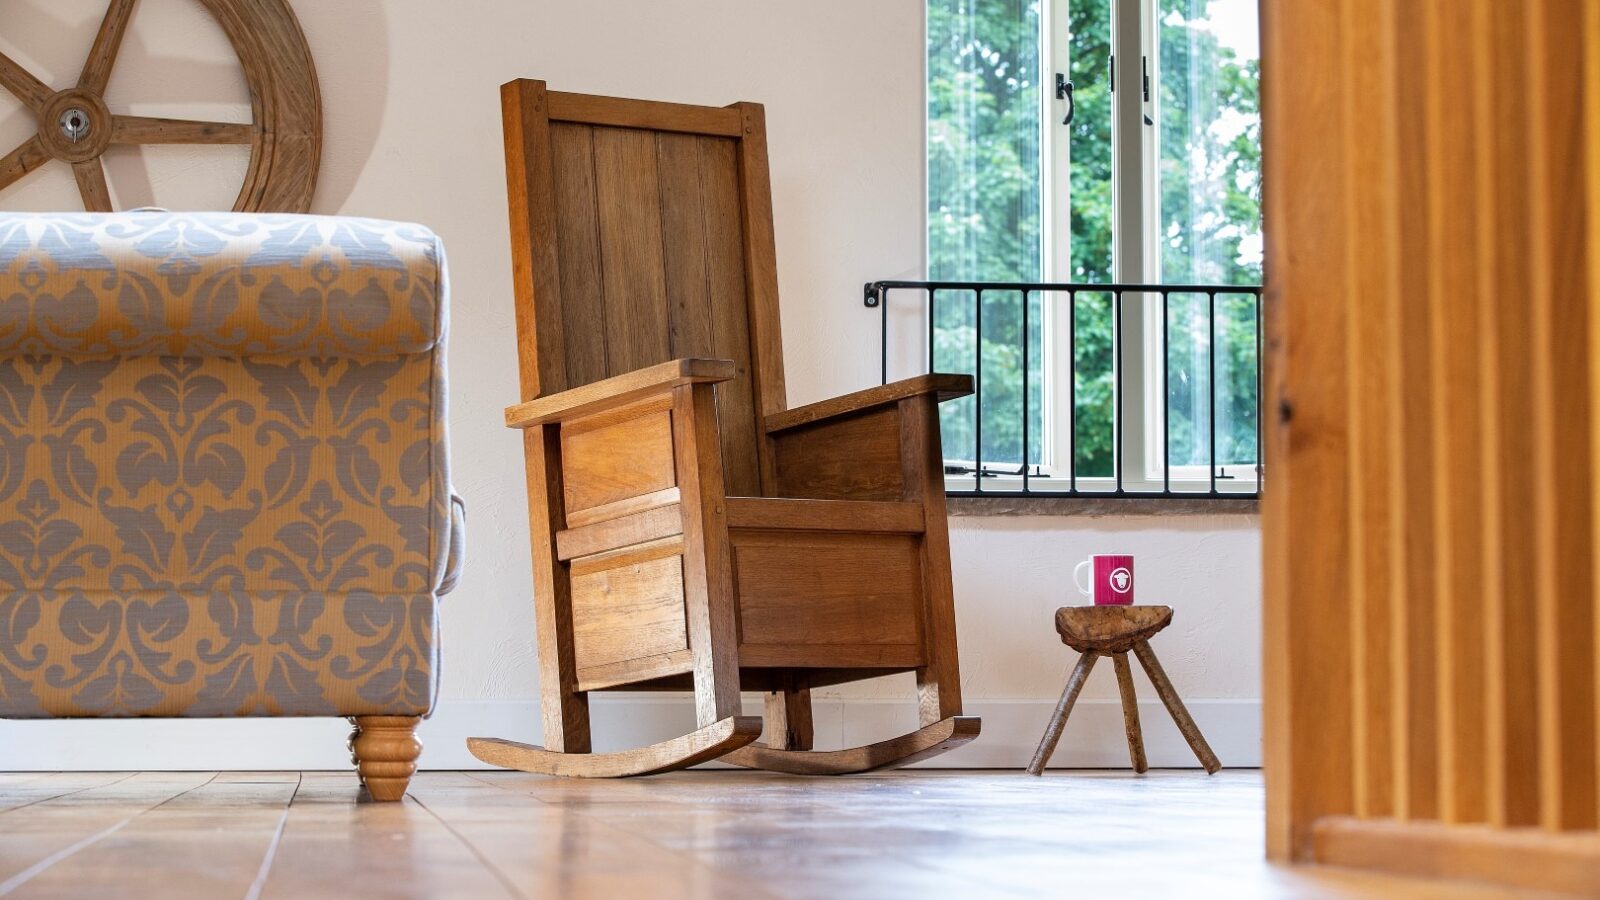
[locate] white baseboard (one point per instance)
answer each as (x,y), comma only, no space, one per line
(1011,731)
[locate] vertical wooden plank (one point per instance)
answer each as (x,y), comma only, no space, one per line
(565,711)
(1373,275)
(630,249)
(1457,453)
(1414,550)
(707,557)
(1486,217)
(1562,478)
(761,276)
(1305,506)
(683,242)
(922,473)
(583,314)
(788,714)
(1514,697)
(730,315)
(535,266)
(1590,28)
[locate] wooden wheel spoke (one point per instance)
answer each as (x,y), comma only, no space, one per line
(19,81)
(147,130)
(92,185)
(19,162)
(103,55)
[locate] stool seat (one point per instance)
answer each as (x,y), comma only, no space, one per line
(1110,629)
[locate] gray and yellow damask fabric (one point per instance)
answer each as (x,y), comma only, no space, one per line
(223,476)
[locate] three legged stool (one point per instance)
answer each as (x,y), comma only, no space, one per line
(1097,631)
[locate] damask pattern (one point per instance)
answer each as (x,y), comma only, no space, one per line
(223,479)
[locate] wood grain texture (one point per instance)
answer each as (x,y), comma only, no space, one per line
(386,751)
(856,457)
(922,477)
(1174,703)
(632,611)
(107,43)
(22,84)
(1306,613)
(617,461)
(92,187)
(1058,718)
(651,115)
(616,533)
(804,589)
(148,130)
(27,157)
(708,742)
(618,391)
(753,513)
(924,743)
(1521,858)
(1109,629)
(1130,713)
(564,710)
(942,387)
(632,268)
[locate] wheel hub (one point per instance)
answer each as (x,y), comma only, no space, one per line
(74,123)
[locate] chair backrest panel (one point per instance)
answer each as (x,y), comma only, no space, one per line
(648,237)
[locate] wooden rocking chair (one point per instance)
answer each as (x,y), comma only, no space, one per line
(689,531)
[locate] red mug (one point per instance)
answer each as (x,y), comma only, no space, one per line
(1112,579)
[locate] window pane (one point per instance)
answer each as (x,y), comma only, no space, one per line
(1210,194)
(1090,180)
(983,211)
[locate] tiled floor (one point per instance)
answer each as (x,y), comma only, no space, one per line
(712,834)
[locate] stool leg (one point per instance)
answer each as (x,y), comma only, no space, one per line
(1130,713)
(1058,720)
(1191,732)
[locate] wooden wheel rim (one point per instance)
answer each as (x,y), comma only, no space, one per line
(285,134)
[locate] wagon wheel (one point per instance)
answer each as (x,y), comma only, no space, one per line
(284,134)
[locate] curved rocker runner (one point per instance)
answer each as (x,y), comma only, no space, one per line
(691,532)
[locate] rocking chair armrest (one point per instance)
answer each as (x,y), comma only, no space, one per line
(617,391)
(942,386)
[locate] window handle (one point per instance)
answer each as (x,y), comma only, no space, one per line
(1144,68)
(1064,92)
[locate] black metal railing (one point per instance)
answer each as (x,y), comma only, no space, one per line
(1033,480)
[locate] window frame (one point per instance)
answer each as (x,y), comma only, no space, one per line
(1136,219)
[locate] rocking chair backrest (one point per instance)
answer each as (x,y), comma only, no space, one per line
(642,232)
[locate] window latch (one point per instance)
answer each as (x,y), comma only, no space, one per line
(1064,92)
(1144,71)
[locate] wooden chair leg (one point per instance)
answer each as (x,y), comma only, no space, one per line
(386,750)
(1180,715)
(1058,720)
(788,715)
(1130,713)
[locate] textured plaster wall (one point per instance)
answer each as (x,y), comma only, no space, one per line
(413,132)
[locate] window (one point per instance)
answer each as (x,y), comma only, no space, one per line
(1156,179)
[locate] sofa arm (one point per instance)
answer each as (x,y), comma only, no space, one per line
(157,283)
(456,556)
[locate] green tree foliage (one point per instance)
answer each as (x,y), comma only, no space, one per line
(984,221)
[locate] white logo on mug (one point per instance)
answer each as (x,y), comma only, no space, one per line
(1121,580)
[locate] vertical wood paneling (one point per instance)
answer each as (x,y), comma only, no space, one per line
(1493,702)
(1590,31)
(1456,405)
(1516,781)
(1304,508)
(1562,478)
(730,314)
(1431,501)
(683,241)
(583,316)
(1370,231)
(631,264)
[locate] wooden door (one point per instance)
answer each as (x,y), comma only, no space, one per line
(1432,186)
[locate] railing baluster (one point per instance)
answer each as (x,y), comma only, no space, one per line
(1116,387)
(1211,381)
(1072,389)
(1166,400)
(977,394)
(1025,379)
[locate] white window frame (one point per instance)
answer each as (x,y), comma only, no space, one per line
(1136,214)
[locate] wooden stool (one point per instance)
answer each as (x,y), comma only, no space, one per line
(1097,631)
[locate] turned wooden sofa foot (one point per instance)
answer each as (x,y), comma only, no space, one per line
(385,751)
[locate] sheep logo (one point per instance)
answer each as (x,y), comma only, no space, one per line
(1121,580)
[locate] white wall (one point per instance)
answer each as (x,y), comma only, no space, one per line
(413,132)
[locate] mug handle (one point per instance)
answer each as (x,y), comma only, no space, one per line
(1077,577)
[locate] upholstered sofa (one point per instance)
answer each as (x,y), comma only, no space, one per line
(224,479)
